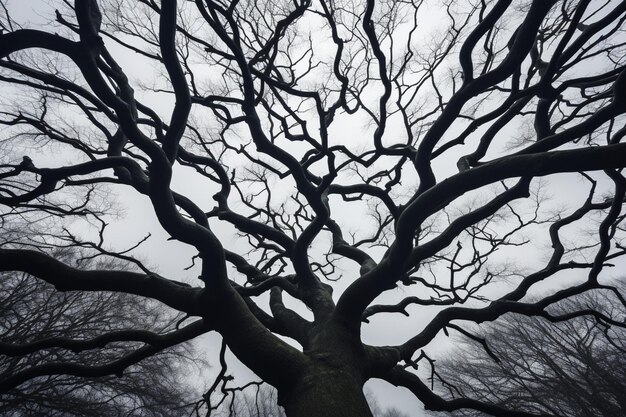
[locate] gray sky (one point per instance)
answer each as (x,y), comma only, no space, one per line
(136,219)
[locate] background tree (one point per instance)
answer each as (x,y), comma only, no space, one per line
(309,158)
(42,327)
(573,367)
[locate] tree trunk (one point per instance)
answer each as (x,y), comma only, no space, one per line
(331,385)
(325,391)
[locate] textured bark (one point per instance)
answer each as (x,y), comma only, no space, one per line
(332,383)
(326,391)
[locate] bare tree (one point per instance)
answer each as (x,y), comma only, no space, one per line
(380,411)
(42,327)
(258,400)
(329,152)
(572,368)
(264,403)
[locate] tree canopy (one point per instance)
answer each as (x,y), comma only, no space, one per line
(301,174)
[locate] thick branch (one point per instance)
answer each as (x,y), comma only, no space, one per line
(65,278)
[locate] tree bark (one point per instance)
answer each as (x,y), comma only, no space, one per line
(326,391)
(331,385)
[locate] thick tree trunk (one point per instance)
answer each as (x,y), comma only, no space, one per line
(326,391)
(331,385)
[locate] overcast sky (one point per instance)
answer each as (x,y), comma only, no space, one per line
(136,220)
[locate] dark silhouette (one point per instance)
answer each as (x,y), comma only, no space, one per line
(330,152)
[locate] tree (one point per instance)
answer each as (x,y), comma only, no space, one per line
(314,157)
(37,324)
(378,411)
(262,401)
(573,368)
